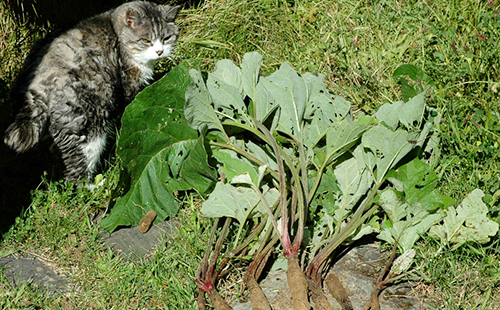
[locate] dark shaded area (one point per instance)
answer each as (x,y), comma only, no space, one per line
(64,13)
(58,13)
(22,173)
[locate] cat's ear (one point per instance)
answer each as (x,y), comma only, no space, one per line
(171,11)
(132,18)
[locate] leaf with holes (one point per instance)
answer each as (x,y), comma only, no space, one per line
(160,153)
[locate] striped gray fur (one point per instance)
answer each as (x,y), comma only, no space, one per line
(74,83)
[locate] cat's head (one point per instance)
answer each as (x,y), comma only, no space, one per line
(147,30)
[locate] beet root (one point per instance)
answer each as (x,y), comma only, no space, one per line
(217,301)
(257,298)
(338,291)
(297,282)
(319,298)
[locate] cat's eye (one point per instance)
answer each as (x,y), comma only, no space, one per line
(165,39)
(146,41)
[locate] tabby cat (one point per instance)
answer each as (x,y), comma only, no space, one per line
(73,85)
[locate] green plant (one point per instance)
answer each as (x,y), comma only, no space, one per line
(287,153)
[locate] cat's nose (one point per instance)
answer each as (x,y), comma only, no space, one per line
(159,52)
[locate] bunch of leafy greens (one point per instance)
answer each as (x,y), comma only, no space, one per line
(289,157)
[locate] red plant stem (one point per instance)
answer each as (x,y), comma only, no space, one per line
(202,274)
(215,256)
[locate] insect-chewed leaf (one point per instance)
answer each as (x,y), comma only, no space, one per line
(354,180)
(227,72)
(290,91)
(156,145)
(388,114)
(198,108)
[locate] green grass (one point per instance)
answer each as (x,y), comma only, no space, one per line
(357,45)
(57,229)
(467,278)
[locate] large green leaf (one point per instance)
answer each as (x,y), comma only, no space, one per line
(354,180)
(290,90)
(418,182)
(341,137)
(413,205)
(233,165)
(385,149)
(409,113)
(225,88)
(408,224)
(250,67)
(323,110)
(198,108)
(160,153)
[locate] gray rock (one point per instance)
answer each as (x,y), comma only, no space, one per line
(358,271)
(27,269)
(131,244)
(127,242)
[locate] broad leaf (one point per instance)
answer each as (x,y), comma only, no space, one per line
(233,165)
(409,230)
(237,202)
(409,113)
(291,91)
(198,108)
(157,145)
(418,182)
(387,148)
(250,67)
(354,181)
(341,137)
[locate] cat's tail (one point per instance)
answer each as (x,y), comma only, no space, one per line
(27,129)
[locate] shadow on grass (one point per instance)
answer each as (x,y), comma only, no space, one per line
(20,174)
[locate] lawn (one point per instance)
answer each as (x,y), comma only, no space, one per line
(357,45)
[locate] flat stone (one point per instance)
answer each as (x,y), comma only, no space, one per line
(357,270)
(130,244)
(26,269)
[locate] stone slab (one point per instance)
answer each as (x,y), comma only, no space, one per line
(131,244)
(31,270)
(357,270)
